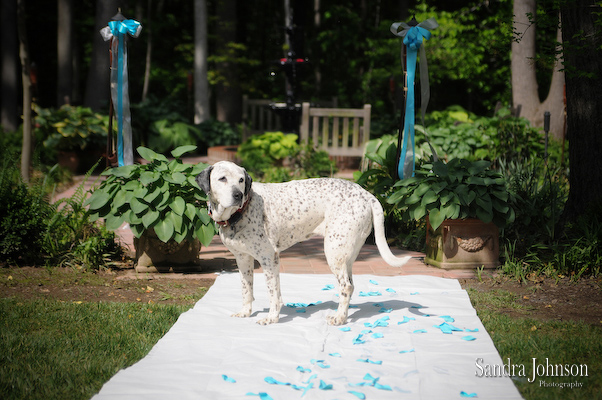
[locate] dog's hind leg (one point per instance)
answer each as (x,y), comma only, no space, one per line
(345,280)
(342,244)
(245,267)
(340,260)
(271,269)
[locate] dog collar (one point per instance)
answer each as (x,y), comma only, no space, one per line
(234,218)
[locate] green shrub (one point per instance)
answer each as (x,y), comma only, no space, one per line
(161,195)
(162,125)
(151,110)
(456,133)
(458,189)
(540,195)
(217,133)
(71,128)
(312,163)
(33,231)
(73,239)
(379,179)
(11,142)
(579,250)
(277,157)
(23,215)
(270,149)
(167,134)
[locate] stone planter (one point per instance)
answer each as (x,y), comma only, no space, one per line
(462,244)
(153,255)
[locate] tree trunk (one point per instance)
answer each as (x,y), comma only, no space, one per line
(64,46)
(149,49)
(24,54)
(10,79)
(201,85)
(97,85)
(227,92)
(524,79)
(582,42)
(316,68)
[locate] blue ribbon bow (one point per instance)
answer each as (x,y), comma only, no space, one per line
(126,26)
(413,37)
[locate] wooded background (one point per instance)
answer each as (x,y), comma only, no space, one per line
(483,52)
(351,51)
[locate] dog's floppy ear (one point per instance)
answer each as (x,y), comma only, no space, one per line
(248,182)
(203,179)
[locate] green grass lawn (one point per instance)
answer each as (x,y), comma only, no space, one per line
(66,350)
(522,339)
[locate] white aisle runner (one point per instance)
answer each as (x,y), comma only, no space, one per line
(408,337)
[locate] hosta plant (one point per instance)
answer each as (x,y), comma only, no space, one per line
(455,190)
(71,128)
(161,195)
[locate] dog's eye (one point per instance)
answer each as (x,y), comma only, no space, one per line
(241,180)
(223,179)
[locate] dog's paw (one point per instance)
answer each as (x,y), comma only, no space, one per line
(242,314)
(268,321)
(336,320)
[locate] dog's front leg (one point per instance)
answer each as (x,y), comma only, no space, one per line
(245,268)
(271,269)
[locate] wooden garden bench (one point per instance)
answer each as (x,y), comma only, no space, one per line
(341,132)
(258,118)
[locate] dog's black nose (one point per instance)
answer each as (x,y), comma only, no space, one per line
(237,195)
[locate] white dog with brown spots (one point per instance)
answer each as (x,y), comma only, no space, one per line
(258,221)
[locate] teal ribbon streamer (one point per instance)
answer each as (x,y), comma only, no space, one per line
(413,37)
(117,30)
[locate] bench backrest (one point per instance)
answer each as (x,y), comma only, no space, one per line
(338,131)
(257,117)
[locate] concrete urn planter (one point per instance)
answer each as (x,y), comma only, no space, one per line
(154,255)
(463,244)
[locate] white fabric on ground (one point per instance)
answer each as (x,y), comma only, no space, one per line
(206,343)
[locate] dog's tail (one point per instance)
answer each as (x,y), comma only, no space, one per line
(378,219)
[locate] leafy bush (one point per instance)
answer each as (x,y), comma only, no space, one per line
(261,152)
(455,190)
(379,180)
(533,244)
(161,195)
(312,163)
(71,128)
(23,215)
(161,125)
(11,142)
(167,134)
(73,239)
(217,133)
(540,195)
(456,133)
(579,250)
(32,230)
(276,157)
(575,253)
(152,109)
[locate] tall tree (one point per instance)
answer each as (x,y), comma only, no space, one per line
(10,80)
(64,45)
(227,91)
(582,43)
(201,84)
(149,43)
(26,79)
(97,86)
(525,91)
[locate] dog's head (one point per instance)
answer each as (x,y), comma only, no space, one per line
(227,185)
